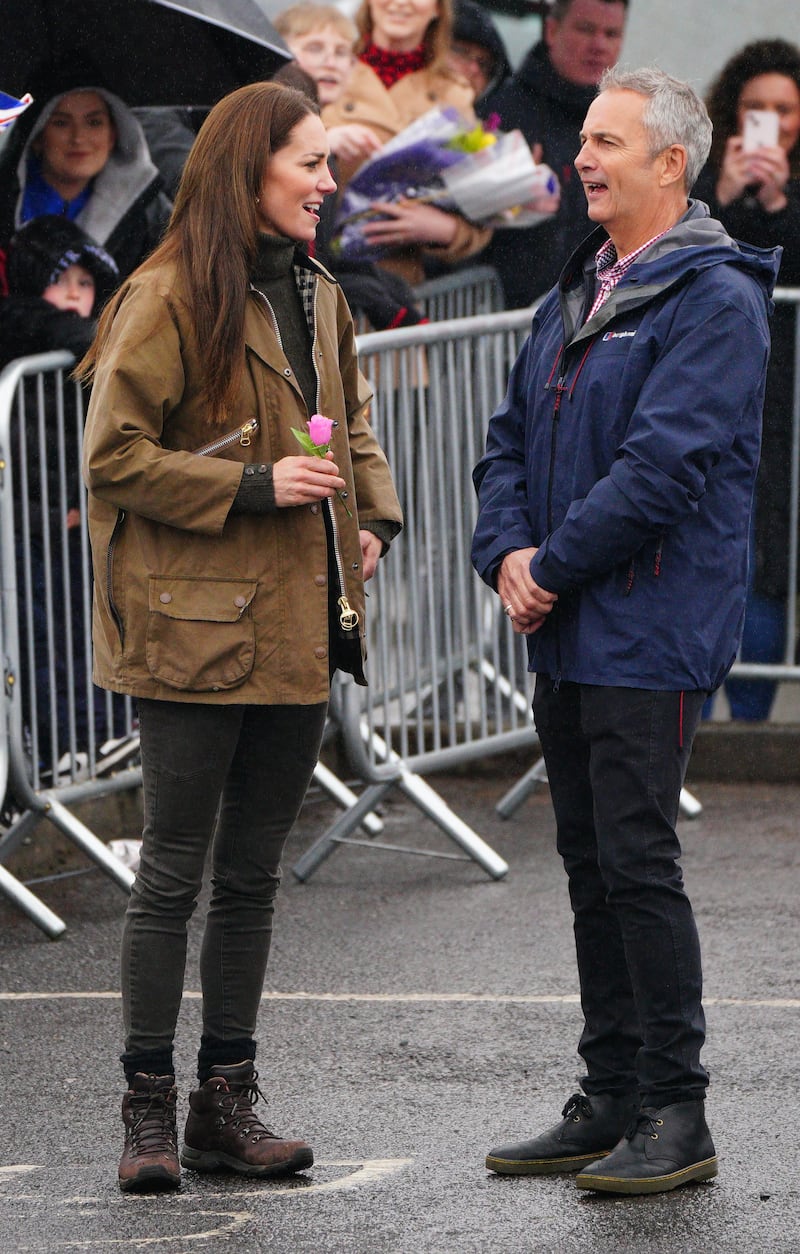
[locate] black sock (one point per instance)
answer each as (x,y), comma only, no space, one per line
(216,1053)
(150,1062)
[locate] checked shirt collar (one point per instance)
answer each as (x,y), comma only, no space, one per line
(611,269)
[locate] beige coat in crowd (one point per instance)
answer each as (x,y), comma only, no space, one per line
(386,111)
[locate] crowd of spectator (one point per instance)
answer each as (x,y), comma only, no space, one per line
(86,185)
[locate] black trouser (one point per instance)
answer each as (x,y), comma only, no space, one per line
(239,773)
(616,759)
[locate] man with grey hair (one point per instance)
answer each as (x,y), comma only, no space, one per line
(615,495)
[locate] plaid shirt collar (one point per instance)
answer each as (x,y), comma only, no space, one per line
(610,269)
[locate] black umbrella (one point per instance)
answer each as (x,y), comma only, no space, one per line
(150,52)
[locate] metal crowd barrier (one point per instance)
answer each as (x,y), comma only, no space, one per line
(448,677)
(466,293)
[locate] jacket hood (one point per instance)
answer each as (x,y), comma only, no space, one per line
(46,247)
(696,243)
(539,75)
(129,171)
(473,25)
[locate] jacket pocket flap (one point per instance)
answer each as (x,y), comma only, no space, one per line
(203,600)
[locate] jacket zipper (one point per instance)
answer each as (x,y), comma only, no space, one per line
(348,617)
(560,389)
(109,573)
(242,435)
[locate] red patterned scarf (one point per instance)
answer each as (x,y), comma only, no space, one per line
(392,66)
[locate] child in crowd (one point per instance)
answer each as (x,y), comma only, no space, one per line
(56,276)
(58,279)
(321,39)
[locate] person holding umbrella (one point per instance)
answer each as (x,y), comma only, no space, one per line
(238,502)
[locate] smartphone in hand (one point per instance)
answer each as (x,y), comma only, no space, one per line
(760,129)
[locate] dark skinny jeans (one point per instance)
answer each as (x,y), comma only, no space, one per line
(238,773)
(616,760)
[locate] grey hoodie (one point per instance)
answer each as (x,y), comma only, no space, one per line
(127,174)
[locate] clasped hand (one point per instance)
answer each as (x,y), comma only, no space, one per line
(529,604)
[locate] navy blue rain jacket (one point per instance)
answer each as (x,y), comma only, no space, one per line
(626,449)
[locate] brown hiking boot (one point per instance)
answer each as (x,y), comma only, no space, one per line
(150,1158)
(223,1130)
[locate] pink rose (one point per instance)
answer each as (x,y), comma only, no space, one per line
(319,429)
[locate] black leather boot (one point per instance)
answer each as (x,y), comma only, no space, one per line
(661,1150)
(590,1127)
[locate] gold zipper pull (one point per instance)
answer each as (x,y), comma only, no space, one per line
(246,431)
(348,617)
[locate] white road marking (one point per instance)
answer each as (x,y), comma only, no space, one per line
(491,999)
(225,1222)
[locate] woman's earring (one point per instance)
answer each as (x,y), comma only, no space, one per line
(258,200)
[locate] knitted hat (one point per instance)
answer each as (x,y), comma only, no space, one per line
(45,247)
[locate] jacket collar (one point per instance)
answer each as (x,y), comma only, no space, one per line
(697,241)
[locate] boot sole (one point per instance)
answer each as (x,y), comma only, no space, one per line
(151,1180)
(705,1170)
(542,1166)
(215,1160)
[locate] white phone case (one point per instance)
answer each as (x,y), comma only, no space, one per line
(760,129)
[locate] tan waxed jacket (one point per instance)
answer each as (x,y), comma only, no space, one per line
(191,604)
(388,111)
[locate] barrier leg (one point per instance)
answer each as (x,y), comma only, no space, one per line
(86,840)
(429,801)
(513,799)
(345,796)
(30,904)
(340,830)
(690,806)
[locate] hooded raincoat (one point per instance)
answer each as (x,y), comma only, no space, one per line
(626,449)
(126,211)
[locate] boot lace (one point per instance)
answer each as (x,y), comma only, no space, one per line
(578,1107)
(645,1122)
(237,1107)
(153,1127)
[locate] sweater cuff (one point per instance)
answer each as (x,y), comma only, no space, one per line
(384,529)
(256,491)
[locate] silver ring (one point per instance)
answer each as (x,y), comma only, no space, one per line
(508,608)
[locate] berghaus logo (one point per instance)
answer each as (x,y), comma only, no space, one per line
(619,335)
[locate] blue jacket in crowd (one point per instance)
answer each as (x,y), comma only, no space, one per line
(626,448)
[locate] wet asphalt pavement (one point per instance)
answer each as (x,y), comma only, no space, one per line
(417,1013)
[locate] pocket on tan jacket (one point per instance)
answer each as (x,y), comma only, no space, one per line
(200,632)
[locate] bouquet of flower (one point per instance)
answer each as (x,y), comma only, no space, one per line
(445,160)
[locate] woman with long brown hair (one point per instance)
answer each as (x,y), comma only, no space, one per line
(229,585)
